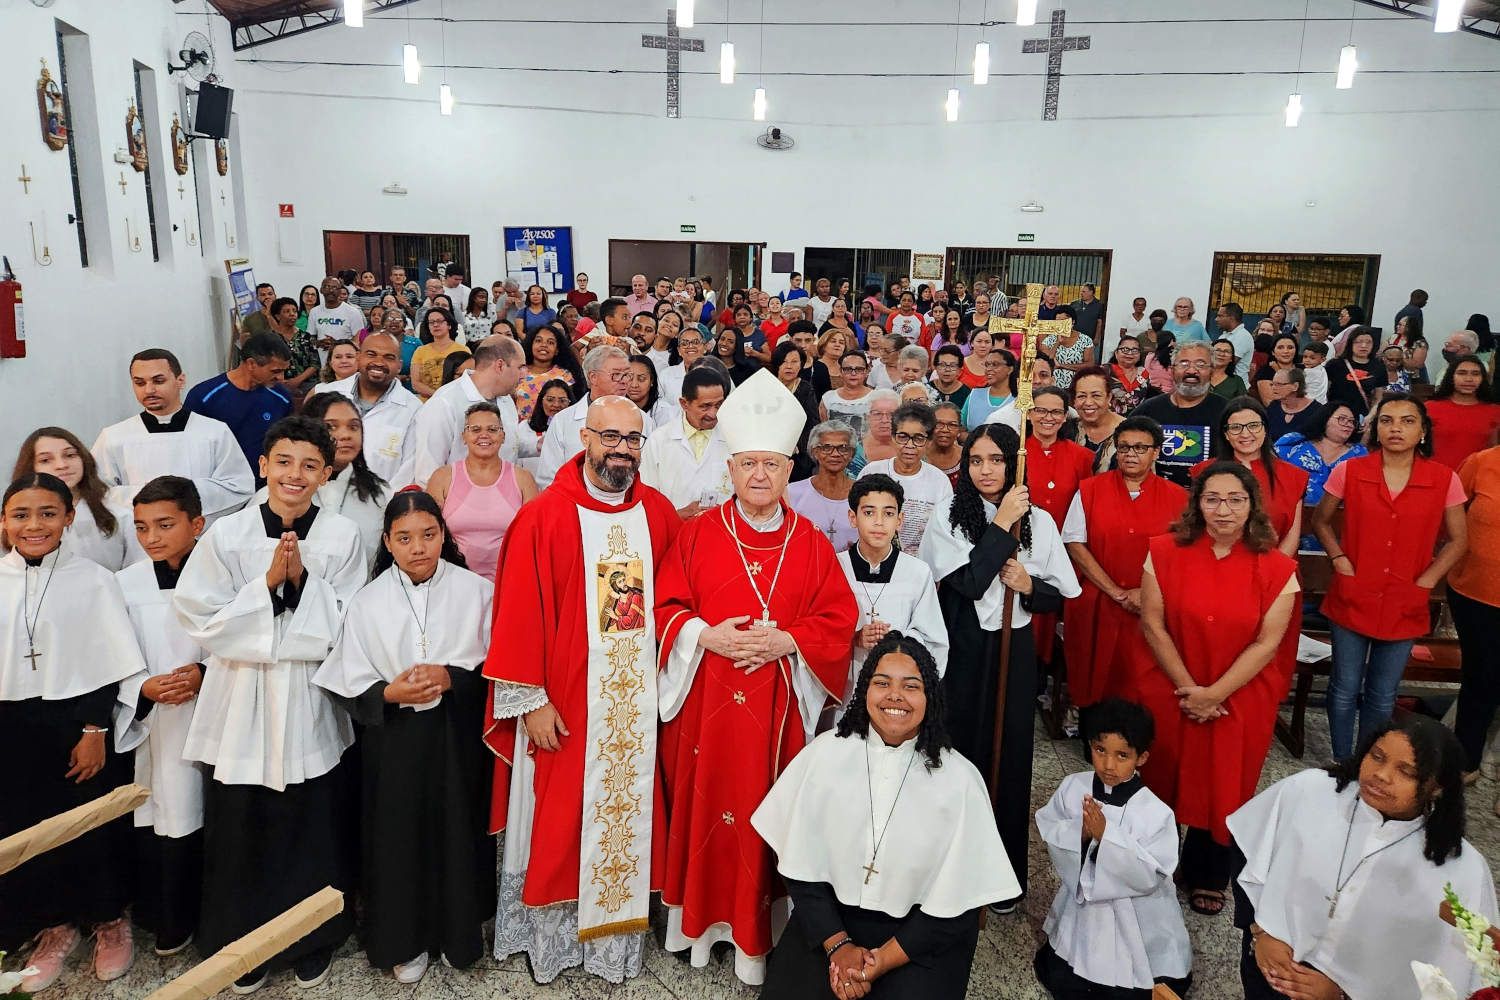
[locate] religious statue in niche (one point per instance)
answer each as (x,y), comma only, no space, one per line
(221,157)
(135,137)
(54,114)
(179,146)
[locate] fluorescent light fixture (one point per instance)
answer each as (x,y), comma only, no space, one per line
(1025,12)
(445,99)
(951,105)
(354,13)
(726,62)
(1448,14)
(1348,63)
(411,67)
(759,104)
(1293,110)
(981,63)
(684,13)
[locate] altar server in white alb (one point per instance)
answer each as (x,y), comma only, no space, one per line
(894,590)
(169,827)
(264,592)
(885,840)
(70,673)
(686,458)
(407,663)
(1115,928)
(166,440)
(1345,869)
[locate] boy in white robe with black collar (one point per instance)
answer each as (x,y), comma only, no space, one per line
(1115,927)
(264,593)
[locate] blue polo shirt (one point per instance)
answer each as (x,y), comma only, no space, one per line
(248,414)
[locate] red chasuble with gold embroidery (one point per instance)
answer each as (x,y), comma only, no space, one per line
(543,638)
(729,733)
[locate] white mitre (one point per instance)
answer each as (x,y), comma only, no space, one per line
(761,415)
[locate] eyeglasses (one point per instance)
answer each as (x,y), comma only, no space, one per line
(834,449)
(1250,427)
(611,439)
(1134,449)
(949,425)
(1236,502)
(623,376)
(853,369)
(917,439)
(949,365)
(1127,350)
(1199,366)
(1050,413)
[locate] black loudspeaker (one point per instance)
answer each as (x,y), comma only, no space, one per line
(211,114)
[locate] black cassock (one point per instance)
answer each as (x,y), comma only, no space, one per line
(428,866)
(941,949)
(972,679)
(84,882)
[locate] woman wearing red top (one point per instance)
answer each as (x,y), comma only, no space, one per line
(1107,529)
(1054,468)
(1397,503)
(980,343)
(1216,602)
(1243,439)
(1463,411)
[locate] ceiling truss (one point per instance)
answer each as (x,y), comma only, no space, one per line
(277,20)
(1486,22)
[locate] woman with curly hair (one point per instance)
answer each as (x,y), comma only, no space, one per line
(887,874)
(1216,602)
(980,564)
(1366,845)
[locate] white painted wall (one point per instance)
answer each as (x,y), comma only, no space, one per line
(83,324)
(1163,170)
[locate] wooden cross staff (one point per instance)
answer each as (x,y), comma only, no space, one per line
(1029,329)
(21,847)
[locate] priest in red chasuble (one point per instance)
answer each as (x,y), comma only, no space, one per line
(573,710)
(756,624)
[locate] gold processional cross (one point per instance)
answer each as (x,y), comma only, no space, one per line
(1030,329)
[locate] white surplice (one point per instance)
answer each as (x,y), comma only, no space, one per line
(175,808)
(945,549)
(130,454)
(389,446)
(1293,836)
(437,431)
(939,847)
(668,464)
(338,496)
(383,632)
(260,719)
(84,537)
(1115,920)
(81,635)
(901,593)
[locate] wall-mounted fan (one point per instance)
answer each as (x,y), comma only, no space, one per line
(197,55)
(774,138)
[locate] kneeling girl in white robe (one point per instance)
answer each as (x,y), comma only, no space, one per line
(1344,871)
(406,664)
(1115,928)
(264,592)
(169,827)
(885,839)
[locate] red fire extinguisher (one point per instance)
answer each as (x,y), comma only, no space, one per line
(12,315)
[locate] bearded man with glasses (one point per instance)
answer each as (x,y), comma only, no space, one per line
(1188,415)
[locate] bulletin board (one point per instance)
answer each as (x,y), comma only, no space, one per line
(540,255)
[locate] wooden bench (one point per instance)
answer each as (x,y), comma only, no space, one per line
(1315,572)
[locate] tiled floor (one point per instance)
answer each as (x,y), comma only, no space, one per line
(1002,966)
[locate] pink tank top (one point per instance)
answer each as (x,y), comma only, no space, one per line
(478,516)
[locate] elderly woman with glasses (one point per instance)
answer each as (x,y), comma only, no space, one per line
(824,497)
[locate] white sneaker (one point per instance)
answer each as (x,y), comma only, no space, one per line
(413,971)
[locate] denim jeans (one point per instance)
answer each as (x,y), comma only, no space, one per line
(1366,673)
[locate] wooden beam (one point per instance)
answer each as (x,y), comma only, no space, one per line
(21,847)
(254,949)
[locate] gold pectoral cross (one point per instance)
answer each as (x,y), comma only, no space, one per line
(870,870)
(31,654)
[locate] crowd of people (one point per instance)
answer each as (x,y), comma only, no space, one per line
(645,594)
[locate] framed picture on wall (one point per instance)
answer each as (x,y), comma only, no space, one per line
(927,267)
(540,255)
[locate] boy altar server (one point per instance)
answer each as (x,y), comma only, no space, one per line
(265,592)
(1115,928)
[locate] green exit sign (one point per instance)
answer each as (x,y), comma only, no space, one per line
(689,229)
(1026,237)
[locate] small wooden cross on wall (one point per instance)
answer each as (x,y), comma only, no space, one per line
(122,182)
(25,180)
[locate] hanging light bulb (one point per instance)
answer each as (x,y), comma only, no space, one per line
(759,104)
(981,63)
(1348,63)
(1025,12)
(1448,14)
(411,68)
(1293,110)
(445,99)
(726,62)
(951,105)
(354,13)
(684,13)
